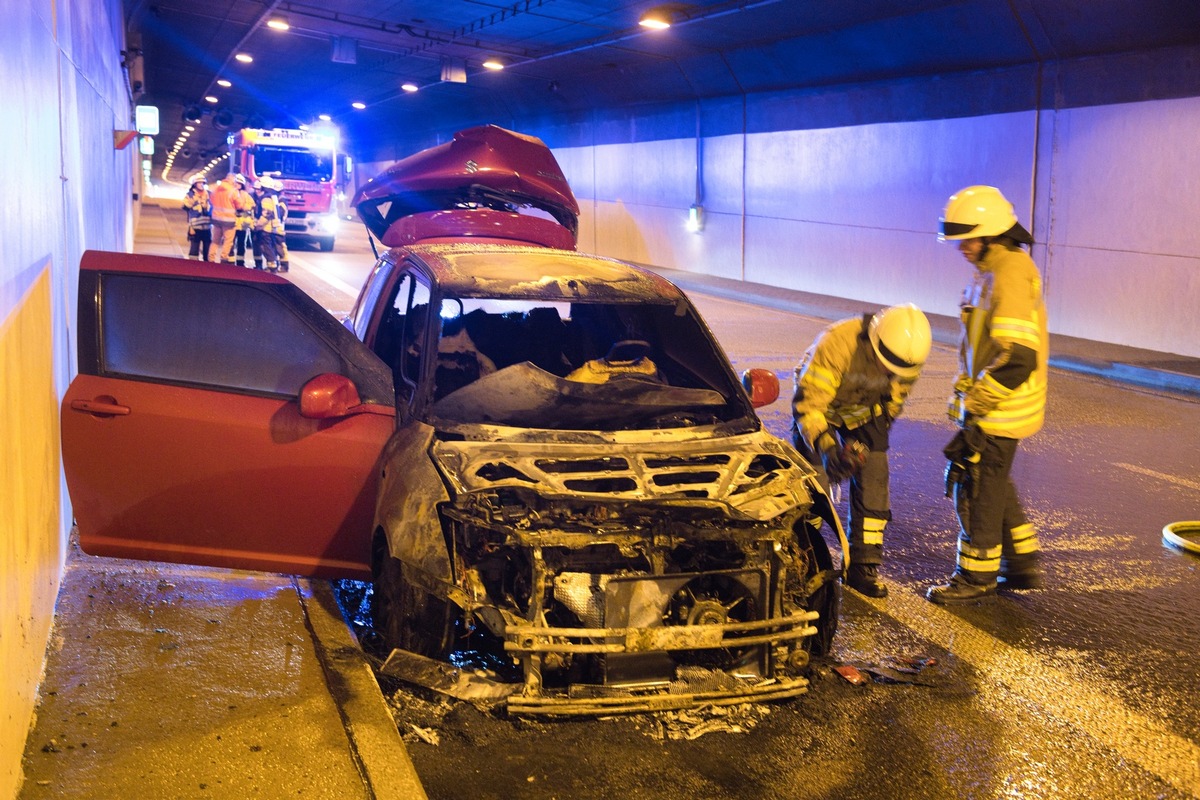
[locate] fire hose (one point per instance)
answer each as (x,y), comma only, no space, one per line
(1184,535)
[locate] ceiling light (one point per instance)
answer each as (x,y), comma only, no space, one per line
(656,19)
(409,87)
(324,117)
(210,99)
(189,127)
(278,23)
(359,106)
(493,63)
(245,58)
(224,84)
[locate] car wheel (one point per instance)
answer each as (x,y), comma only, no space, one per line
(825,596)
(326,245)
(405,616)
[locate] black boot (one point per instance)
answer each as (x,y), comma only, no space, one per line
(1020,580)
(864,578)
(1021,572)
(959,590)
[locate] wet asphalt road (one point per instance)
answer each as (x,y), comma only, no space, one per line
(1083,689)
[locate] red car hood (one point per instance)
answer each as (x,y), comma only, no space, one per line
(485,167)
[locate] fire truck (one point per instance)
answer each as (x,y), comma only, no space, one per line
(308,164)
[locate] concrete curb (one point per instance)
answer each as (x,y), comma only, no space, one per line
(1130,373)
(375,741)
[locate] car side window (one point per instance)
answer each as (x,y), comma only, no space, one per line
(400,341)
(165,329)
(368,301)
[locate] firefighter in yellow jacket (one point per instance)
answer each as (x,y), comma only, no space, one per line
(273,215)
(999,397)
(243,209)
(850,386)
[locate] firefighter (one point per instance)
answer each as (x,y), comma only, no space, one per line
(850,386)
(274,216)
(999,397)
(243,209)
(199,211)
(256,233)
(224,218)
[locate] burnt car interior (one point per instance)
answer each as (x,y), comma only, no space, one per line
(511,367)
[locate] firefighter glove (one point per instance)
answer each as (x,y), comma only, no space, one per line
(841,461)
(963,455)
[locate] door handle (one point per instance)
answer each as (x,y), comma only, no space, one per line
(100,407)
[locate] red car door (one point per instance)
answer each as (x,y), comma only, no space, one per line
(196,433)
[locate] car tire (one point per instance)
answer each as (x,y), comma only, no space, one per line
(326,245)
(405,616)
(826,599)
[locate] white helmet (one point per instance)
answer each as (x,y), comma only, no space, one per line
(270,183)
(901,338)
(976,211)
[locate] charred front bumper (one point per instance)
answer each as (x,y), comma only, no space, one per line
(699,638)
(648,579)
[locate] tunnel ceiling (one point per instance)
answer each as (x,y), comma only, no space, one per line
(567,57)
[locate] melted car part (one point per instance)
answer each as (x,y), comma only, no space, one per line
(485,167)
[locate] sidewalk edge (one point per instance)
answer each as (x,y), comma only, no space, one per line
(375,740)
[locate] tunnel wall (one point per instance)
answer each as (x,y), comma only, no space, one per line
(66,189)
(838,191)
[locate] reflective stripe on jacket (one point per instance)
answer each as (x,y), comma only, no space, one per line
(840,383)
(1003,307)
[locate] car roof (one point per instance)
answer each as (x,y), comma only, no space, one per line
(471,269)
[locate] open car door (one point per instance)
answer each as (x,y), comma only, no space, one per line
(221,417)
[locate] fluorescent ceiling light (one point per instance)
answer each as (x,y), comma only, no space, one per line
(245,58)
(655,19)
(493,63)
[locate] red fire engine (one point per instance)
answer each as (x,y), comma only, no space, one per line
(311,170)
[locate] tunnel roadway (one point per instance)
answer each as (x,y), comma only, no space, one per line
(1084,688)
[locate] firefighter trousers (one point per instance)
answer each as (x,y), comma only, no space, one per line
(870,492)
(995,537)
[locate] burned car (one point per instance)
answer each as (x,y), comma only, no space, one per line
(542,459)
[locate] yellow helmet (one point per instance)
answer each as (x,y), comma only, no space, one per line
(976,211)
(901,337)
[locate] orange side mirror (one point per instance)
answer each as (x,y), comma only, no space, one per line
(327,396)
(761,385)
